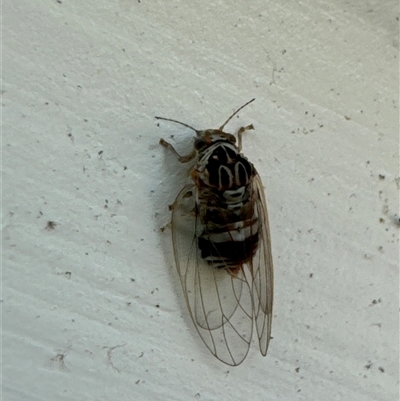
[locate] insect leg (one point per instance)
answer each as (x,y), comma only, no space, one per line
(240,134)
(181,159)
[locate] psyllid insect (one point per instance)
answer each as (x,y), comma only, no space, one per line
(222,244)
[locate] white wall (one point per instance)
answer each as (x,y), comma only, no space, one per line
(92,309)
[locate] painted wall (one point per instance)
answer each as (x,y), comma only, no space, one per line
(92,308)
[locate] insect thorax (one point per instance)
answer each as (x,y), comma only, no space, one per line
(221,167)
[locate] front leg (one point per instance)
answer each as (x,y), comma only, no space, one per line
(181,159)
(240,134)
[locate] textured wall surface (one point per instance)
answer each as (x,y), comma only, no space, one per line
(92,308)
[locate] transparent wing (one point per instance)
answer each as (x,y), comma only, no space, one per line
(219,301)
(262,269)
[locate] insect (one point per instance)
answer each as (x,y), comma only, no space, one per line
(222,246)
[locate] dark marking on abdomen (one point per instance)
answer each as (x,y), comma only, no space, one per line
(228,253)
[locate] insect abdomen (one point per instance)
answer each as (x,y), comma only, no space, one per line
(231,247)
(229,234)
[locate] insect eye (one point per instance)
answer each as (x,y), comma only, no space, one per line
(199,144)
(232,138)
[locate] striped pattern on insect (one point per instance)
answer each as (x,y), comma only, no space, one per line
(222,244)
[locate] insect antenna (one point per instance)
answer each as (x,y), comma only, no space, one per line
(178,122)
(237,111)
